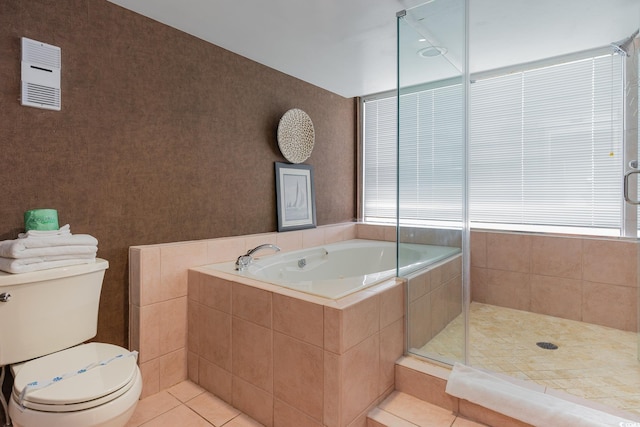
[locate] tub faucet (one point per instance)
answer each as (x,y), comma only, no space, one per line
(243,261)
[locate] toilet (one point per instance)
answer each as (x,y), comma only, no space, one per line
(60,380)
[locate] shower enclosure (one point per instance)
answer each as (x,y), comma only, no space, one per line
(517,127)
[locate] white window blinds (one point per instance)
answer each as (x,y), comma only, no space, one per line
(540,149)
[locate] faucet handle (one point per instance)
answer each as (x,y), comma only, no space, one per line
(242,262)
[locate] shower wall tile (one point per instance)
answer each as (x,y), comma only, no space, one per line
(608,305)
(439,315)
(509,252)
(556,296)
(479,285)
(420,319)
(613,262)
(509,289)
(580,278)
(454,297)
(418,285)
(556,256)
(478,249)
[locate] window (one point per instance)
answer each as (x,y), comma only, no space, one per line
(545,150)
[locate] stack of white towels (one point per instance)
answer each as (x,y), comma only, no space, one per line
(40,250)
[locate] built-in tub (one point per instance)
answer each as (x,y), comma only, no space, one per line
(339,269)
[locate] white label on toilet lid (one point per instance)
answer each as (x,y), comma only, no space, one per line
(40,384)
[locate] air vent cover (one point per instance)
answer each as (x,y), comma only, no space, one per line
(41,64)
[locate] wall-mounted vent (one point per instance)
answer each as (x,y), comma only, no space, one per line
(41,64)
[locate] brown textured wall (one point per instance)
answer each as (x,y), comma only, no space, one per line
(162,137)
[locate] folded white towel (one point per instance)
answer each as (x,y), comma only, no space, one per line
(65,230)
(67,251)
(524,404)
(35,246)
(29,264)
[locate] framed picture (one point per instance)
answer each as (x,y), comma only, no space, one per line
(295,196)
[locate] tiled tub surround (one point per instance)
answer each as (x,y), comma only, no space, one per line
(162,301)
(290,359)
(158,302)
(593,280)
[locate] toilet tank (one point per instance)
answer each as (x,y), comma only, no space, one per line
(48,310)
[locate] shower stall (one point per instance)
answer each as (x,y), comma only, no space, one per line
(517,130)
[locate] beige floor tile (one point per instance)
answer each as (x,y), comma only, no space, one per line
(186,390)
(179,416)
(214,410)
(243,421)
(200,409)
(152,407)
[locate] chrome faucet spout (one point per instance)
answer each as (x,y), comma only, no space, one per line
(243,261)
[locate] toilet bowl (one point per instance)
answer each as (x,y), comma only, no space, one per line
(89,385)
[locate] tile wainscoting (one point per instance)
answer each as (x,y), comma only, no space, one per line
(169,305)
(593,280)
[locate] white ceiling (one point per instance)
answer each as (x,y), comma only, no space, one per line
(349,46)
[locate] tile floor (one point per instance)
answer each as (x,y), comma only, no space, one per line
(401,409)
(592,362)
(187,404)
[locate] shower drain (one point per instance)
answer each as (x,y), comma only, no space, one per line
(547,345)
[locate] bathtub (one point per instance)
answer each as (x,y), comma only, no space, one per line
(339,269)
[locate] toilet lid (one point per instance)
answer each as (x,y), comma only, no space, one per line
(94,387)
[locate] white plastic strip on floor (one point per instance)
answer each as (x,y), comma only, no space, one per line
(36,385)
(524,404)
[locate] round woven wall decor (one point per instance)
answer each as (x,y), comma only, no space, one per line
(296,135)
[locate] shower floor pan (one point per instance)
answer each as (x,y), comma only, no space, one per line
(593,362)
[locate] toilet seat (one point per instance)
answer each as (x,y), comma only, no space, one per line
(80,391)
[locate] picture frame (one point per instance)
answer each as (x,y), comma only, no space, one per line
(295,196)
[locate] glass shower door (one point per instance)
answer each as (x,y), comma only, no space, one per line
(431,174)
